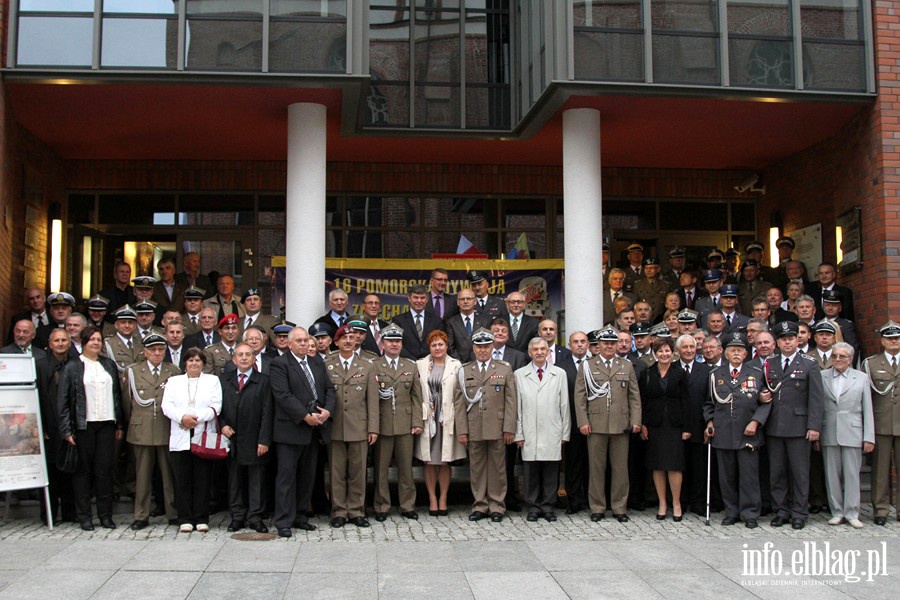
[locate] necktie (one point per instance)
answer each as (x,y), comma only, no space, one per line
(242,379)
(176,357)
(193,320)
(37,320)
(346,365)
(550,356)
(838,384)
(481,305)
(248,323)
(231,351)
(616,296)
(27,350)
(540,374)
(376,333)
(515,327)
(419,325)
(394,365)
(690,299)
(728,318)
(208,340)
(437,306)
(734,373)
(608,364)
(786,363)
(483,368)
(687,369)
(341,321)
(468,326)
(312,384)
(156,374)
(715,301)
(130,345)
(894,363)
(577,363)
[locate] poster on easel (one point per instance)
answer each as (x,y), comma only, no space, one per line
(22,464)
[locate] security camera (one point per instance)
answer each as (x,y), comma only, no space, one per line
(749,185)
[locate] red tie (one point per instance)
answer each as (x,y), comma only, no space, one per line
(241,381)
(540,374)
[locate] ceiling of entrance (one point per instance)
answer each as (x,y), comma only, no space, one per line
(218,122)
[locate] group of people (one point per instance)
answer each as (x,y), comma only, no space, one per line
(623,409)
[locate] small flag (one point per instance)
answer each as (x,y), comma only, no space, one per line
(520,250)
(465,246)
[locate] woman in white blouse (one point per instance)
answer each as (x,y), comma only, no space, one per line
(91,419)
(190,401)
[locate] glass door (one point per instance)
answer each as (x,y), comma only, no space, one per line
(221,254)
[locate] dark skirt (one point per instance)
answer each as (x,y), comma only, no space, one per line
(665,448)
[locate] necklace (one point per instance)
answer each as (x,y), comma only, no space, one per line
(193,384)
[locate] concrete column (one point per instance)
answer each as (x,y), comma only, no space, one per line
(582,222)
(305,216)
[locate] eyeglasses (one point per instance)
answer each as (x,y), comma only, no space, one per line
(841,356)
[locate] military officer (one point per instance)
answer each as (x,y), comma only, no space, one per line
(652,288)
(794,423)
(735,412)
(490,306)
(634,270)
(884,375)
(124,347)
(400,408)
(356,424)
(96,308)
(193,304)
(219,356)
(145,311)
(485,406)
(148,427)
(608,408)
(252,301)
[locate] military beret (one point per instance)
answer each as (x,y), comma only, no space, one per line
(392,332)
(195,293)
(786,329)
(890,330)
(634,247)
(231,319)
(608,334)
(638,328)
(482,336)
(832,296)
(125,312)
(98,302)
(144,281)
(736,339)
(650,261)
(785,241)
(824,326)
(153,339)
(729,290)
(61,298)
(342,331)
(476,276)
(249,292)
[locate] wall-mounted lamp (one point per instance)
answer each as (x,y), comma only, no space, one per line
(55,247)
(775,226)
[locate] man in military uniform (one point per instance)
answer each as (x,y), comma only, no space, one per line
(486,305)
(608,408)
(712,283)
(220,355)
(672,272)
(145,311)
(485,406)
(845,331)
(794,423)
(124,347)
(59,305)
(400,418)
(734,320)
(148,427)
(360,325)
(883,370)
(252,301)
(651,288)
(193,305)
(634,270)
(355,426)
(751,286)
(97,306)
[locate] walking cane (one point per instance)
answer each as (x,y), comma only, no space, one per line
(708,473)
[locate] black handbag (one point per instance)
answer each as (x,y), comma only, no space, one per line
(67,458)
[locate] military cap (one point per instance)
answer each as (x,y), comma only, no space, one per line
(731,252)
(605,247)
(634,247)
(98,302)
(61,298)
(638,328)
(824,326)
(785,241)
(729,289)
(476,276)
(593,337)
(754,246)
(316,330)
(750,262)
(688,316)
(392,332)
(144,281)
(736,339)
(153,339)
(249,292)
(714,253)
(786,329)
(195,293)
(231,319)
(890,330)
(712,275)
(676,252)
(285,327)
(608,334)
(145,306)
(660,330)
(358,324)
(482,336)
(650,260)
(832,296)
(342,331)
(125,312)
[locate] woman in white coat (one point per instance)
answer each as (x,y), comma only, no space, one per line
(190,401)
(437,447)
(543,424)
(848,431)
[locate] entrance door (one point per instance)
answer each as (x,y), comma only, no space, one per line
(222,253)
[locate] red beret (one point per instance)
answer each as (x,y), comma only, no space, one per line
(231,319)
(343,331)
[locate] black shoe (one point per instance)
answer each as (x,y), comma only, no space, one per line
(434,513)
(410,514)
(477,516)
(551,517)
(381,516)
(729,521)
(285,532)
(443,512)
(338,522)
(572,510)
(360,521)
(173,521)
(621,518)
(87,526)
(496,517)
(139,524)
(595,517)
(235,525)
(677,518)
(513,506)
(157,512)
(306,525)
(258,527)
(778,521)
(815,509)
(798,523)
(660,517)
(751,524)
(881,521)
(107,522)
(533,516)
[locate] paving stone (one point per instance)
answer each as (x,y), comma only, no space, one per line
(149,585)
(349,586)
(72,584)
(259,586)
(514,586)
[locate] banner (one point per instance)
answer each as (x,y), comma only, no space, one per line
(540,281)
(22,464)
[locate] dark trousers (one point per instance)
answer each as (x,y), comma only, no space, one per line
(245,491)
(577,470)
(817,493)
(739,480)
(62,492)
(512,453)
(789,476)
(294,482)
(637,472)
(96,458)
(694,490)
(541,485)
(192,479)
(321,502)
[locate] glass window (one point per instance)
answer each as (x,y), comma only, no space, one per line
(308,46)
(271,210)
(308,8)
(685,41)
(831,19)
(743,216)
(135,209)
(213,209)
(57,41)
(81,209)
(614,14)
(616,56)
(437,106)
(153,7)
(630,214)
(759,46)
(364,212)
(389,44)
(683,216)
(232,8)
(761,18)
(437,47)
(224,45)
(139,43)
(57,5)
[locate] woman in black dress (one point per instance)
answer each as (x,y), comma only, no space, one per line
(664,398)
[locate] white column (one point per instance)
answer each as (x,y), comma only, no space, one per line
(305,217)
(582,222)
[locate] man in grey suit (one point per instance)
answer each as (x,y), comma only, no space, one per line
(614,290)
(794,423)
(848,402)
(459,327)
(23,336)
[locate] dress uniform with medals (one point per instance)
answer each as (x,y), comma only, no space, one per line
(733,406)
(485,406)
(148,430)
(355,426)
(794,422)
(400,410)
(219,356)
(608,408)
(883,370)
(124,348)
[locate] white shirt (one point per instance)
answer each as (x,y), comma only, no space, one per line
(126,340)
(497,353)
(839,381)
(175,353)
(543,367)
(98,392)
(170,289)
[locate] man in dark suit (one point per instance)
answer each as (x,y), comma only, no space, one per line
(576,456)
(256,338)
(168,293)
(191,276)
(338,315)
(208,335)
(372,310)
(687,290)
(486,304)
(548,331)
(36,313)
(503,351)
(23,338)
(522,327)
(439,301)
(613,289)
(460,326)
(827,274)
(175,345)
(304,399)
(121,292)
(416,324)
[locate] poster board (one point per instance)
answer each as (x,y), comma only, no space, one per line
(22,464)
(808,247)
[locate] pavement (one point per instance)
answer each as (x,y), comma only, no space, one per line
(450,557)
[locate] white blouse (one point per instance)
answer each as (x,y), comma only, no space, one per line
(98,392)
